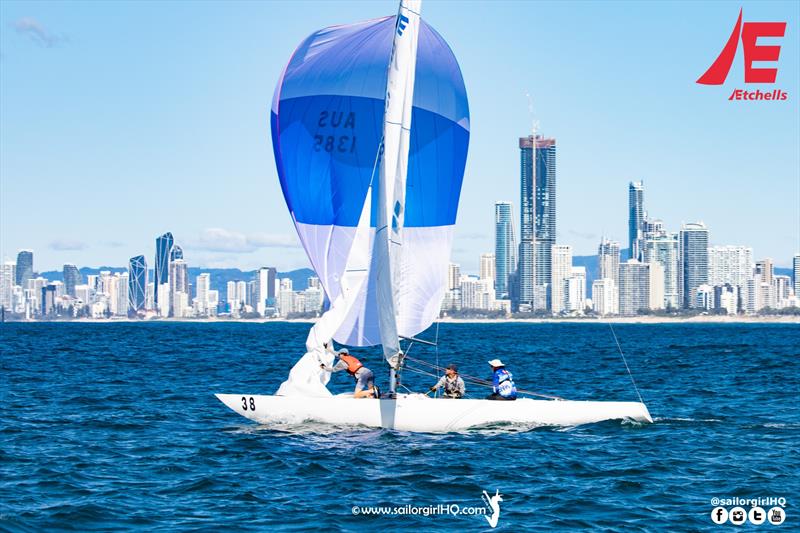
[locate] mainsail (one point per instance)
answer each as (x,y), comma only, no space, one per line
(328,136)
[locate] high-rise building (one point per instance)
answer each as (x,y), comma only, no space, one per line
(84,294)
(149,296)
(469,292)
(230,297)
(137,280)
(783,290)
(202,302)
(285,297)
(488,268)
(178,287)
(111,292)
(265,278)
(640,287)
(34,291)
(608,259)
(561,272)
(72,278)
(575,291)
(313,299)
(765,269)
(8,275)
(693,270)
(731,265)
(123,293)
(24,267)
(796,274)
(453,276)
(48,300)
(765,279)
(604,296)
(505,247)
(661,247)
(704,297)
(163,304)
(636,216)
(477,293)
(537,219)
(726,298)
(161,266)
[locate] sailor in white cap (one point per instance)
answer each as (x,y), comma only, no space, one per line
(503,387)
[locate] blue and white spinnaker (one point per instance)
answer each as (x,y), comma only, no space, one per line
(337,124)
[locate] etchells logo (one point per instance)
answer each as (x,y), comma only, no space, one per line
(717,73)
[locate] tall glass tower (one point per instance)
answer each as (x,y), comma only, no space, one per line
(693,243)
(72,277)
(137,283)
(537,219)
(635,219)
(161,267)
(505,247)
(24,268)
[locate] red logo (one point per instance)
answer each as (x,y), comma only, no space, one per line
(717,73)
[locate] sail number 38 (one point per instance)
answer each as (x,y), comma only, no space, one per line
(246,403)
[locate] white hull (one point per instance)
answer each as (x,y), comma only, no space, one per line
(417,412)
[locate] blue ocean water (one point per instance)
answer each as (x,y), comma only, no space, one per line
(115,426)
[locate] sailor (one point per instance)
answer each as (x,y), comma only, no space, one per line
(452,383)
(503,387)
(365,379)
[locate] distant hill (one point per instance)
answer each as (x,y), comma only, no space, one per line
(219,276)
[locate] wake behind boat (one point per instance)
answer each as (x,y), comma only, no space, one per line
(370,130)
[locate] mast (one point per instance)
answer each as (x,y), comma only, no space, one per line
(391,188)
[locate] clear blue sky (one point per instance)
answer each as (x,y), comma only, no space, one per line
(119,121)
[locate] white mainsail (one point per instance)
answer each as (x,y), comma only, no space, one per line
(387,248)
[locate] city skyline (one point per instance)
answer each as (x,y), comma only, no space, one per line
(137,127)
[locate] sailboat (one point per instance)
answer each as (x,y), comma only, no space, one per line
(370,129)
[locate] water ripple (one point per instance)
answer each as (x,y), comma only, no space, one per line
(108,427)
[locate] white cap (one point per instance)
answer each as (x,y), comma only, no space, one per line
(495,363)
(344,350)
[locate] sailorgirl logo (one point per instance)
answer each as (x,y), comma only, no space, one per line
(717,73)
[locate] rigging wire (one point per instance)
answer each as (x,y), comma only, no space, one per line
(639,394)
(436,348)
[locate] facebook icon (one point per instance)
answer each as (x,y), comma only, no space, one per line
(719,515)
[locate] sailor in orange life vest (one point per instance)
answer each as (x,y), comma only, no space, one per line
(365,379)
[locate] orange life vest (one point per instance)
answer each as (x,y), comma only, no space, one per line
(353,364)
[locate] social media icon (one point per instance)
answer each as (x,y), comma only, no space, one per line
(738,516)
(757,515)
(777,515)
(719,515)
